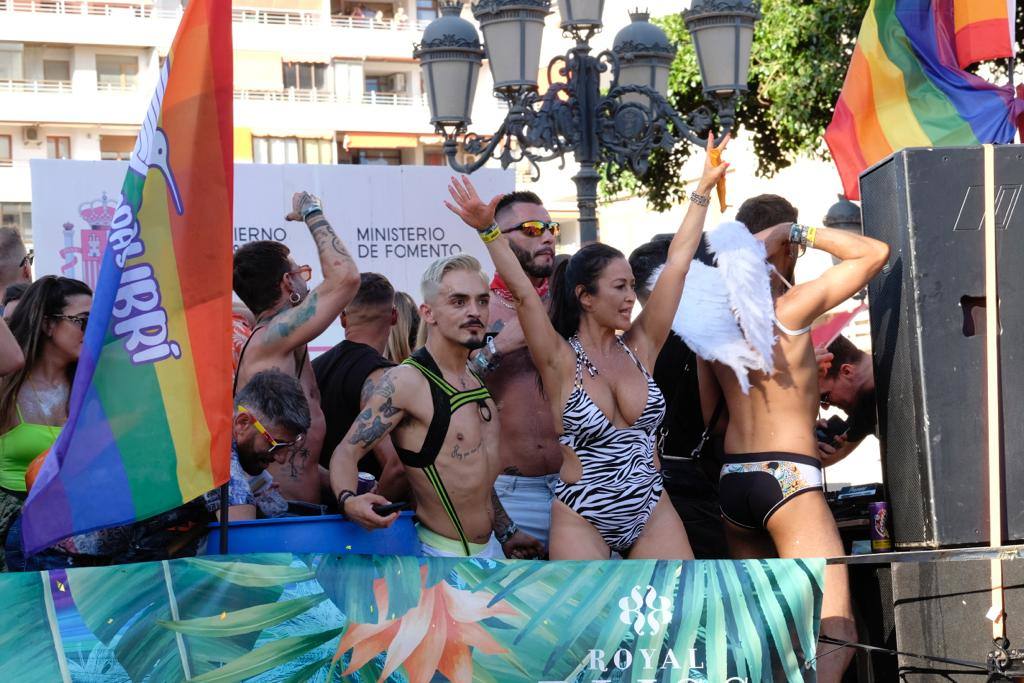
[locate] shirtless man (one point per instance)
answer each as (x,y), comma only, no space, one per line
(289,316)
(771,474)
(443,423)
(530,458)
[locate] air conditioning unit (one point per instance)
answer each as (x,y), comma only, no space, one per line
(30,135)
(398,83)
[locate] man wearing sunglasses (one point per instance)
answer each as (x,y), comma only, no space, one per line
(530,458)
(271,418)
(289,316)
(15,260)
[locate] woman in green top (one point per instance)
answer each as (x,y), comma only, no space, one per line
(49,324)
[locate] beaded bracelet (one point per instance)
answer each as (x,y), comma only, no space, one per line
(490,234)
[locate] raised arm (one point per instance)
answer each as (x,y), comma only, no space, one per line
(860,259)
(650,330)
(306,321)
(550,353)
(380,416)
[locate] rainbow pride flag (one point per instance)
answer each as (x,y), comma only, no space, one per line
(149,424)
(905,88)
(984,29)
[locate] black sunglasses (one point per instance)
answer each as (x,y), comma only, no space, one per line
(80,320)
(30,257)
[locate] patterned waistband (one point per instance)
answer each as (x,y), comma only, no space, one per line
(769,456)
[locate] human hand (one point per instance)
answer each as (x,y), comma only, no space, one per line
(359,509)
(775,238)
(511,337)
(714,169)
(824,360)
(468,205)
(827,452)
(302,204)
(523,546)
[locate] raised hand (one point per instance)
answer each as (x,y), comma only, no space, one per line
(302,204)
(714,168)
(468,205)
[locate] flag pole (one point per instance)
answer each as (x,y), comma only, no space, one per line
(224,518)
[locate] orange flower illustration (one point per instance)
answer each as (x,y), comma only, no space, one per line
(436,635)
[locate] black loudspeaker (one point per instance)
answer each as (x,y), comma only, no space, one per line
(940,610)
(928,338)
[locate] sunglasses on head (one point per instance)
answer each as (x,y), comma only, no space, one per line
(80,320)
(536,228)
(274,443)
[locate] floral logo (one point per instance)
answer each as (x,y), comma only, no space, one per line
(656,616)
(436,635)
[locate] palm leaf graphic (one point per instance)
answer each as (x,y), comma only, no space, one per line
(273,654)
(26,640)
(774,618)
(746,623)
(245,620)
(664,582)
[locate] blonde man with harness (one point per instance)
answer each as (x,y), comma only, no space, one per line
(444,425)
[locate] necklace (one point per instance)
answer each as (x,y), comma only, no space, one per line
(504,300)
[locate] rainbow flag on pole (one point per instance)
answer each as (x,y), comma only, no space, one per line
(905,88)
(984,29)
(150,413)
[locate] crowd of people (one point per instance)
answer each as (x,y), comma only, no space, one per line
(528,414)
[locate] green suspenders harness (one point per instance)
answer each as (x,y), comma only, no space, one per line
(446,399)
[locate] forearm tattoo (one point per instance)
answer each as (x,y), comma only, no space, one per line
(327,242)
(293,318)
(501,519)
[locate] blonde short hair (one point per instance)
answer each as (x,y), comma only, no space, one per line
(430,283)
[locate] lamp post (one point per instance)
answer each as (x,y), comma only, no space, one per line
(622,126)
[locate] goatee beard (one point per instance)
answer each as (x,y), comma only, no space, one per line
(474,344)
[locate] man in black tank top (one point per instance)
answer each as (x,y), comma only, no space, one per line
(444,425)
(347,374)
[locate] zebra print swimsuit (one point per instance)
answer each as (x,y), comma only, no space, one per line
(619,486)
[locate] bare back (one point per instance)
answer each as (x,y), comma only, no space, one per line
(299,477)
(780,411)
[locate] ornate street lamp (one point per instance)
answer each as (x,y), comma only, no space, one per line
(623,126)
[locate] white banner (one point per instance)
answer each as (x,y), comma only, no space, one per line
(390,217)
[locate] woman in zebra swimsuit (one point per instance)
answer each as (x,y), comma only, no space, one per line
(609,496)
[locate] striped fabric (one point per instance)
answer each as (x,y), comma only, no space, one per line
(149,424)
(905,88)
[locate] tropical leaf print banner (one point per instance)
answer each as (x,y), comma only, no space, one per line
(324,618)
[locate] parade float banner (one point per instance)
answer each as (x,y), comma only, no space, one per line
(391,218)
(326,618)
(905,86)
(149,418)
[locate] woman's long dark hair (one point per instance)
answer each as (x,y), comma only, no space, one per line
(45,297)
(585,266)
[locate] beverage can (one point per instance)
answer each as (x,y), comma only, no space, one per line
(881,542)
(365,483)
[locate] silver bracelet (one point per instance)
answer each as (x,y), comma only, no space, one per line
(699,199)
(510,531)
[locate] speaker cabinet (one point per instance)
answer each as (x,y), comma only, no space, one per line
(928,338)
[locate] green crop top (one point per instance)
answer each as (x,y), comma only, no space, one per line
(19,447)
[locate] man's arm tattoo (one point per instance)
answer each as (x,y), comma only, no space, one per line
(501,519)
(368,431)
(324,236)
(367,391)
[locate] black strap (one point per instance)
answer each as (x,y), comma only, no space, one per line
(300,365)
(699,448)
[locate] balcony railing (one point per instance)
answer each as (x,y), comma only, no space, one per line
(323,96)
(96,9)
(63,87)
(116,87)
(264,16)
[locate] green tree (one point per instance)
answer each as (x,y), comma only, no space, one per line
(801,52)
(800,55)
